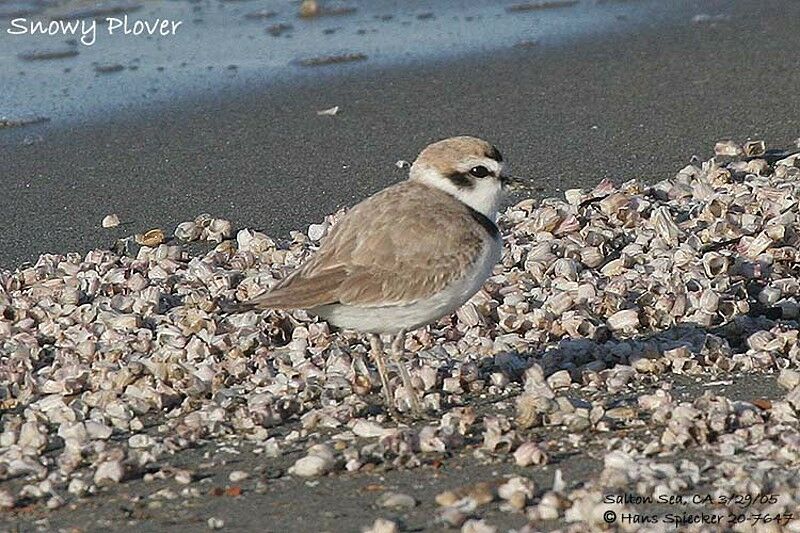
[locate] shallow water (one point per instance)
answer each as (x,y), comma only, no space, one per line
(225,44)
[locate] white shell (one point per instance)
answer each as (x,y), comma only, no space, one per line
(110,221)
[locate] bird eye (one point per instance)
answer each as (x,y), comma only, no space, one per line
(480,171)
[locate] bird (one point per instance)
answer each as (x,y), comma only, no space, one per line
(406,256)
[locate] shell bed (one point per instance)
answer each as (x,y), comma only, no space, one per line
(114,362)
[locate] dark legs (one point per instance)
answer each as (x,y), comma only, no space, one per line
(376,349)
(398,347)
(376,345)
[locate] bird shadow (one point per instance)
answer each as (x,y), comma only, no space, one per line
(706,345)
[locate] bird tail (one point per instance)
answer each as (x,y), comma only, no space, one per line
(295,293)
(262,302)
(229,307)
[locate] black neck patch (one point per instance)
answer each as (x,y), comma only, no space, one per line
(485,222)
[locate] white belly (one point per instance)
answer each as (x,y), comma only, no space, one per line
(391,319)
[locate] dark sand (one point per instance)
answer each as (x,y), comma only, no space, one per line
(620,107)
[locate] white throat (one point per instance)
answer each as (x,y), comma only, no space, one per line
(485,196)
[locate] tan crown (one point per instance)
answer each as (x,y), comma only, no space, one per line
(448,155)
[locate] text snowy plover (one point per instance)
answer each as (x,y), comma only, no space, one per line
(87,29)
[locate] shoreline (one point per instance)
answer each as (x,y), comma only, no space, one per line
(224,46)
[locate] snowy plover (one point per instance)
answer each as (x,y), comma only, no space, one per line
(406,256)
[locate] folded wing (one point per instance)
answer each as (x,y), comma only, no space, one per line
(401,245)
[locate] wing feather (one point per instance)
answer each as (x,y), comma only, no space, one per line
(401,245)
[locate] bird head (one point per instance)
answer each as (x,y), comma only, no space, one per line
(468,168)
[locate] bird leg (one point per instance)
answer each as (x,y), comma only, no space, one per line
(376,346)
(398,347)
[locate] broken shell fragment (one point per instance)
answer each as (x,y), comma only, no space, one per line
(529,453)
(319,461)
(109,472)
(150,238)
(396,500)
(188,231)
(727,148)
(625,320)
(754,148)
(382,525)
(110,221)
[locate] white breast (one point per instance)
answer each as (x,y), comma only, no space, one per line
(391,319)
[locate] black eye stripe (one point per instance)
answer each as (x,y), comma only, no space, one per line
(461,180)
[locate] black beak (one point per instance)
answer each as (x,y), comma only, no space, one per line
(514,183)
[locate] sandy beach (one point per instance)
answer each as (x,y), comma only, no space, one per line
(636,100)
